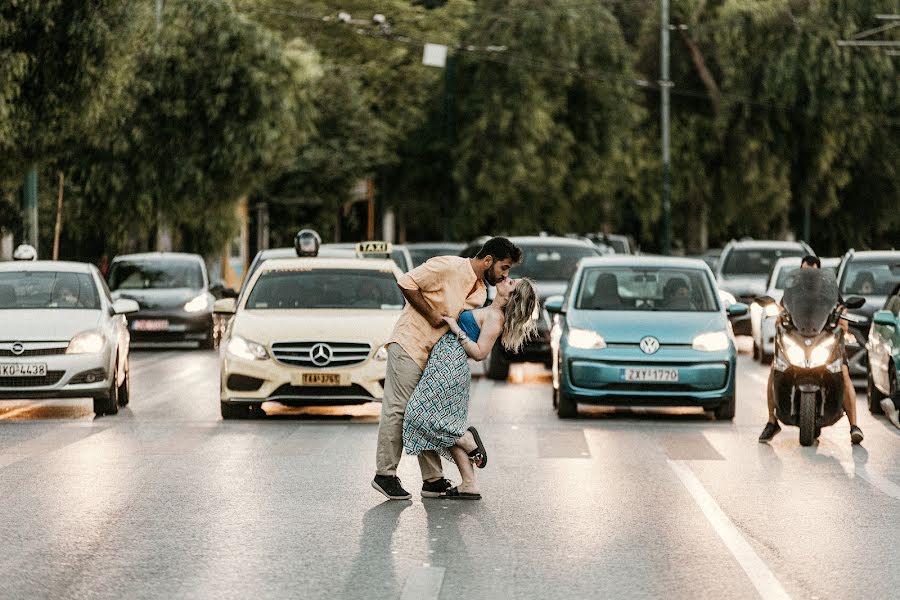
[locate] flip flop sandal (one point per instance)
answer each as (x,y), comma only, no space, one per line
(454,494)
(479,454)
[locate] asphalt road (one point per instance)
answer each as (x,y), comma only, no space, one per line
(165,500)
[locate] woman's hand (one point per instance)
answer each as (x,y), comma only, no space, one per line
(454,326)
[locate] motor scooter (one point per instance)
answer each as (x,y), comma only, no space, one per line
(808,384)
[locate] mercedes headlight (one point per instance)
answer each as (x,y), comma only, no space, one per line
(86,342)
(713,341)
(241,348)
(584,338)
(196,304)
(382,353)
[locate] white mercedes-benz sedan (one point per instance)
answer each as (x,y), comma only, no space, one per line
(62,335)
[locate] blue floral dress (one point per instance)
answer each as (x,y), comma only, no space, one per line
(438,409)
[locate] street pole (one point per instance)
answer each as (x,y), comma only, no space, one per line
(664,88)
(30,207)
(449,90)
(57,230)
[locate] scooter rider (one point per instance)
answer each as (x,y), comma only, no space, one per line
(772,427)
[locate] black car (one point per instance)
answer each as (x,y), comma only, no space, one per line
(872,275)
(550,263)
(173,293)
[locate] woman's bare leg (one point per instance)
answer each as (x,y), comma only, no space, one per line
(466,470)
(467,442)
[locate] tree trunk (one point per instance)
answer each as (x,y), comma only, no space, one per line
(696,234)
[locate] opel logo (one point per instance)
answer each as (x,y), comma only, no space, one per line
(649,345)
(320,354)
(18,348)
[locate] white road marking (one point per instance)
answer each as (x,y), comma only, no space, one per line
(762,578)
(424,583)
(763,379)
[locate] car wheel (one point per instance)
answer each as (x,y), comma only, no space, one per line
(498,366)
(566,406)
(108,403)
(756,350)
(208,343)
(555,397)
(726,410)
(873,395)
(125,388)
(765,358)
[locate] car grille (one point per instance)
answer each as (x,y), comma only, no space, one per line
(34,352)
(316,355)
(20,382)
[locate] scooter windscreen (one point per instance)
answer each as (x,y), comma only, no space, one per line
(810,296)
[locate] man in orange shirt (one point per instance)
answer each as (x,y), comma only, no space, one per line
(444,285)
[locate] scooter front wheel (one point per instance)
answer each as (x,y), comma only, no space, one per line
(807,418)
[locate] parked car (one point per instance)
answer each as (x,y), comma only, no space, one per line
(174,295)
(883,380)
(422,251)
(549,262)
(744,267)
(620,244)
(63,335)
(643,331)
(872,275)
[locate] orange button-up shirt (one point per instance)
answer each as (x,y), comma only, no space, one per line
(450,286)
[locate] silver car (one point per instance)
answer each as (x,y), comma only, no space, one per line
(62,335)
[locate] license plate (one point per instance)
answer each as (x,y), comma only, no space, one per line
(323,379)
(23,370)
(653,375)
(151,325)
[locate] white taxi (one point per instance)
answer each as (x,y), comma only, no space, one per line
(308,332)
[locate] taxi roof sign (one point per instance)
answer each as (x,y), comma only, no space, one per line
(373,247)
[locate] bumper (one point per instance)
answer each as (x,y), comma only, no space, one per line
(67,377)
(182,326)
(704,378)
(268,380)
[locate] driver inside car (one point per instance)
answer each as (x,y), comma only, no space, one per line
(772,428)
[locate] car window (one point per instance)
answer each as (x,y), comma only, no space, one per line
(155,274)
(871,278)
(783,274)
(48,289)
(646,288)
(755,261)
(551,263)
(325,288)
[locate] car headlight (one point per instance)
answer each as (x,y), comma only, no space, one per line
(713,341)
(86,342)
(241,348)
(196,304)
(584,338)
(382,353)
(820,354)
(772,310)
(793,351)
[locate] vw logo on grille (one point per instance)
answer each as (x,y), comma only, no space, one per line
(320,354)
(18,348)
(649,345)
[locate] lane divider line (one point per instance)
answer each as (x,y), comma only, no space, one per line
(765,582)
(424,583)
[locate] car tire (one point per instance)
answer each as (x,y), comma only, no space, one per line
(566,406)
(757,351)
(555,398)
(765,358)
(874,395)
(497,367)
(125,388)
(726,410)
(209,343)
(108,403)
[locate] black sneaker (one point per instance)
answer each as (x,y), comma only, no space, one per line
(389,485)
(856,434)
(435,489)
(770,431)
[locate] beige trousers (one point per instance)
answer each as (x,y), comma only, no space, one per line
(403,373)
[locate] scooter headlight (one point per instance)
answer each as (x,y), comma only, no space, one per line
(820,354)
(794,352)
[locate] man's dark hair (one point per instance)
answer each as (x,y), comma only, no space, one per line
(811,260)
(500,248)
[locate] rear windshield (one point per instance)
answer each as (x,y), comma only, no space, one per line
(155,274)
(551,263)
(755,261)
(871,278)
(48,289)
(325,288)
(643,288)
(783,275)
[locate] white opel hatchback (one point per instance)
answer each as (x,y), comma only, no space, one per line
(62,335)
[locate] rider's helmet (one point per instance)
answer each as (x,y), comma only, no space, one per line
(25,252)
(307,242)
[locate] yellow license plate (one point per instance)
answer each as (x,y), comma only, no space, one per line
(323,379)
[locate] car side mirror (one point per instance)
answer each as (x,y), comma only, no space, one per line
(554,304)
(738,309)
(854,302)
(124,306)
(885,317)
(225,306)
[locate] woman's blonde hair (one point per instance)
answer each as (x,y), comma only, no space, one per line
(518,325)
